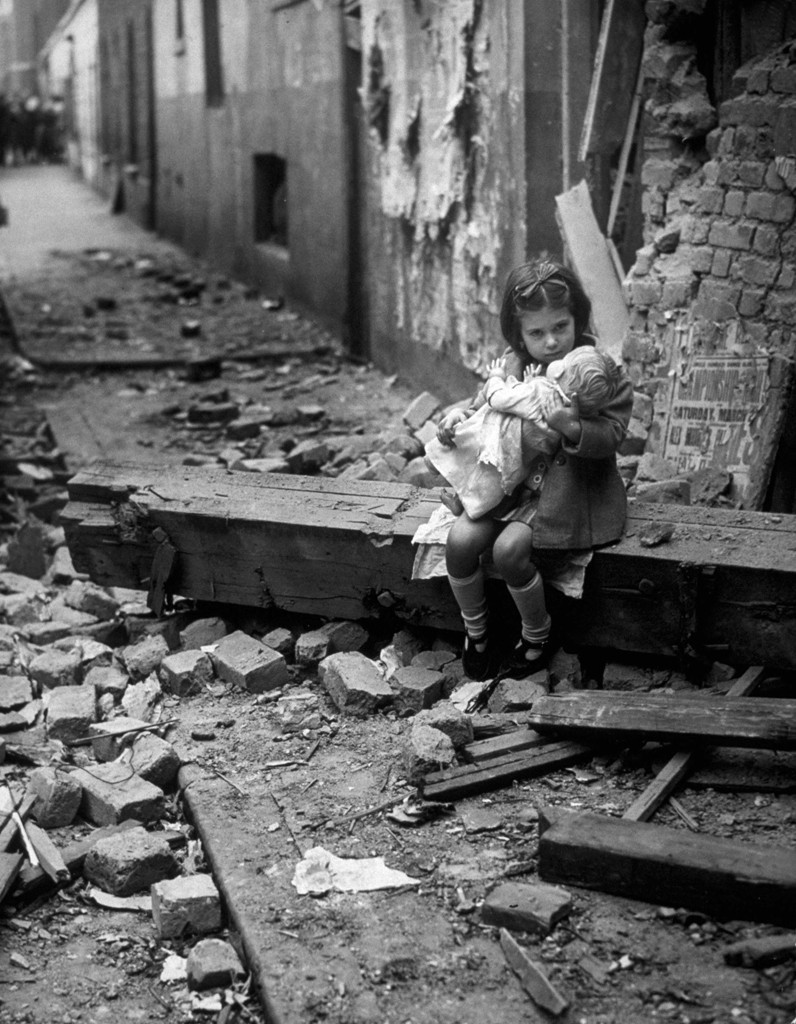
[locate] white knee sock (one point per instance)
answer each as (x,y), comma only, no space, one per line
(531,605)
(471,599)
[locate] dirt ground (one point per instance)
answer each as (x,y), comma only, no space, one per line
(264,791)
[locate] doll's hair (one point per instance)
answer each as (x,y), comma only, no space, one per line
(542,284)
(592,375)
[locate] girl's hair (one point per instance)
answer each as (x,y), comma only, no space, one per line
(542,284)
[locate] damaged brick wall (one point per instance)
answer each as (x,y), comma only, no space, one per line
(449,206)
(712,292)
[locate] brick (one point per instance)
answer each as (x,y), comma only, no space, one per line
(345,636)
(354,683)
(731,236)
(766,240)
(711,200)
(751,303)
(107,679)
(85,596)
(656,173)
(422,408)
(676,294)
(154,759)
(747,110)
(111,793)
(433,659)
(15,692)
(129,862)
(109,739)
(202,633)
(213,963)
(311,647)
(755,270)
(752,173)
(71,711)
(242,660)
(186,905)
(447,718)
(57,795)
(722,261)
(145,655)
(299,710)
(643,293)
(279,639)
(522,907)
(427,749)
(415,688)
(53,668)
(308,456)
(518,694)
(734,201)
(186,672)
(141,700)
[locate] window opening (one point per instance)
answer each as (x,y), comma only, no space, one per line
(214,82)
(270,199)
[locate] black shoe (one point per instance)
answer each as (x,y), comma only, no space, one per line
(526,658)
(477,664)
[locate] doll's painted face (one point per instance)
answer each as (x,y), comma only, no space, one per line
(547,334)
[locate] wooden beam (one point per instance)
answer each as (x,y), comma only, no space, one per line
(723,584)
(455,783)
(669,867)
(680,764)
(766,723)
(481,751)
(10,864)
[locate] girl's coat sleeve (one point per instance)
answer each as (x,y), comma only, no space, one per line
(601,435)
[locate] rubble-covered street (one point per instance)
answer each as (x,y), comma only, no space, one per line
(243,814)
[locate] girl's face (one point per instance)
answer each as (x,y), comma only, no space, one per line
(547,334)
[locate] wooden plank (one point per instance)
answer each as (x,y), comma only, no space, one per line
(10,864)
(532,976)
(669,867)
(680,764)
(724,582)
(50,858)
(477,779)
(495,746)
(766,723)
(591,260)
(616,63)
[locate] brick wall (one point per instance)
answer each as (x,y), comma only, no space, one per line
(716,273)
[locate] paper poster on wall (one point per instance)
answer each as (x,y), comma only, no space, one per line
(714,415)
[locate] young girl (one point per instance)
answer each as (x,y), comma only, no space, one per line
(572,499)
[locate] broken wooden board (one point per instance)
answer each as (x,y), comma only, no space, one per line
(455,783)
(724,583)
(591,258)
(481,751)
(669,867)
(766,723)
(683,761)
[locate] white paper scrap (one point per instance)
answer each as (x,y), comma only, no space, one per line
(320,872)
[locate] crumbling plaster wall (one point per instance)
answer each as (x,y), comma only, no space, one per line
(438,99)
(716,273)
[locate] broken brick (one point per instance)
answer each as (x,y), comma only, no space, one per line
(188,904)
(70,712)
(112,793)
(57,795)
(415,688)
(129,862)
(522,907)
(242,660)
(186,672)
(354,683)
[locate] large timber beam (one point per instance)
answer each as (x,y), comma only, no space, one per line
(711,581)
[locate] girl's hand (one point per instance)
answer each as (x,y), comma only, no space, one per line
(497,368)
(448,424)
(566,420)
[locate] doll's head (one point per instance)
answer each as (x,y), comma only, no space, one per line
(542,284)
(588,373)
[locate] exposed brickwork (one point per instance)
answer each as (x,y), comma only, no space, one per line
(719,230)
